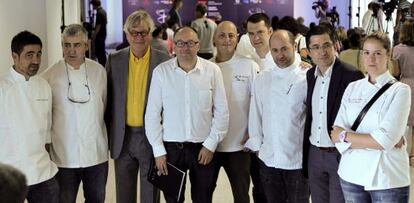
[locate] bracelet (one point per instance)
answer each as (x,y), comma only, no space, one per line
(342,136)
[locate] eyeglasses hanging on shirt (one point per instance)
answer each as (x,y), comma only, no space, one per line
(78,91)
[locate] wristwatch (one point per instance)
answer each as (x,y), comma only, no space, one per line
(342,136)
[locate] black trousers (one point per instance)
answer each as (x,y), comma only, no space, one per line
(184,156)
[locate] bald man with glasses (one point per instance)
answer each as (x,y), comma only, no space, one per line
(187,115)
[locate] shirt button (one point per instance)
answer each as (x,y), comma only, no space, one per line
(321,97)
(319,127)
(320,112)
(323,82)
(317,141)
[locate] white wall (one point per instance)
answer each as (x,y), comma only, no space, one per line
(42,17)
(16,16)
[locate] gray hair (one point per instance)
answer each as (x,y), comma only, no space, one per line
(75,30)
(138,17)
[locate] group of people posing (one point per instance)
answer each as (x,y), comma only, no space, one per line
(267,116)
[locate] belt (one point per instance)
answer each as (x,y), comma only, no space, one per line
(327,149)
(181,145)
(135,129)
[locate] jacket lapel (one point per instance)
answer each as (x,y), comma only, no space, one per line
(334,87)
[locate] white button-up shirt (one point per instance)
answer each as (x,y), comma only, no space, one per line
(319,133)
(238,75)
(186,107)
(385,121)
(277,116)
(25,120)
(79,136)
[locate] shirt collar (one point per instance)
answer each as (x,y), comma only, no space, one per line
(17,76)
(145,57)
(328,72)
(224,62)
(283,71)
(71,68)
(197,66)
(381,80)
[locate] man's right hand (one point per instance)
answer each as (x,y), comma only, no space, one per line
(161,164)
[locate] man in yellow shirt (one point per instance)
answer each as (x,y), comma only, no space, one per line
(129,74)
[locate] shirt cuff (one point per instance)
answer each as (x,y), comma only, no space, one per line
(159,150)
(342,146)
(253,144)
(380,136)
(210,144)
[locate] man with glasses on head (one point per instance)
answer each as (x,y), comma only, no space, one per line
(326,84)
(187,115)
(129,75)
(79,139)
(238,75)
(25,120)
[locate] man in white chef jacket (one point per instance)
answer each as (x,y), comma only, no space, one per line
(277,120)
(25,119)
(79,139)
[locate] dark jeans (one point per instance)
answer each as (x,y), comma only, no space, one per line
(237,167)
(258,190)
(44,192)
(357,194)
(184,156)
(323,176)
(282,186)
(93,179)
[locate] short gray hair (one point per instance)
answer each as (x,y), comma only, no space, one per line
(75,30)
(138,17)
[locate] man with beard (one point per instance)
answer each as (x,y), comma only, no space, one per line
(25,120)
(280,90)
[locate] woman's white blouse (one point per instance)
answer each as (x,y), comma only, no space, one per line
(385,121)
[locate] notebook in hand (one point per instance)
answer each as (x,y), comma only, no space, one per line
(171,184)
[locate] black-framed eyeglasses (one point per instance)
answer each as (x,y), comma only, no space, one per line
(324,47)
(80,95)
(181,43)
(136,34)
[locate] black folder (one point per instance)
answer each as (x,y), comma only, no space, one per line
(171,184)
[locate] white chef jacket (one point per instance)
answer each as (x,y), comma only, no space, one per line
(238,75)
(25,120)
(385,121)
(186,107)
(277,116)
(79,136)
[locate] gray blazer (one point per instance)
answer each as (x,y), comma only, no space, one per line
(115,114)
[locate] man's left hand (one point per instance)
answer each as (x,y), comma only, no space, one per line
(205,156)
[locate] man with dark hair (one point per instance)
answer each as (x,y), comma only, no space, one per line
(25,119)
(13,185)
(174,19)
(99,33)
(205,30)
(259,31)
(281,90)
(326,84)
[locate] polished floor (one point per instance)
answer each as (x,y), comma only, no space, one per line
(222,193)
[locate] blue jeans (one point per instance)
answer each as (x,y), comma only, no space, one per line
(93,179)
(44,192)
(357,194)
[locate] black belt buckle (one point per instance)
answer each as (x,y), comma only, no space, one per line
(179,145)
